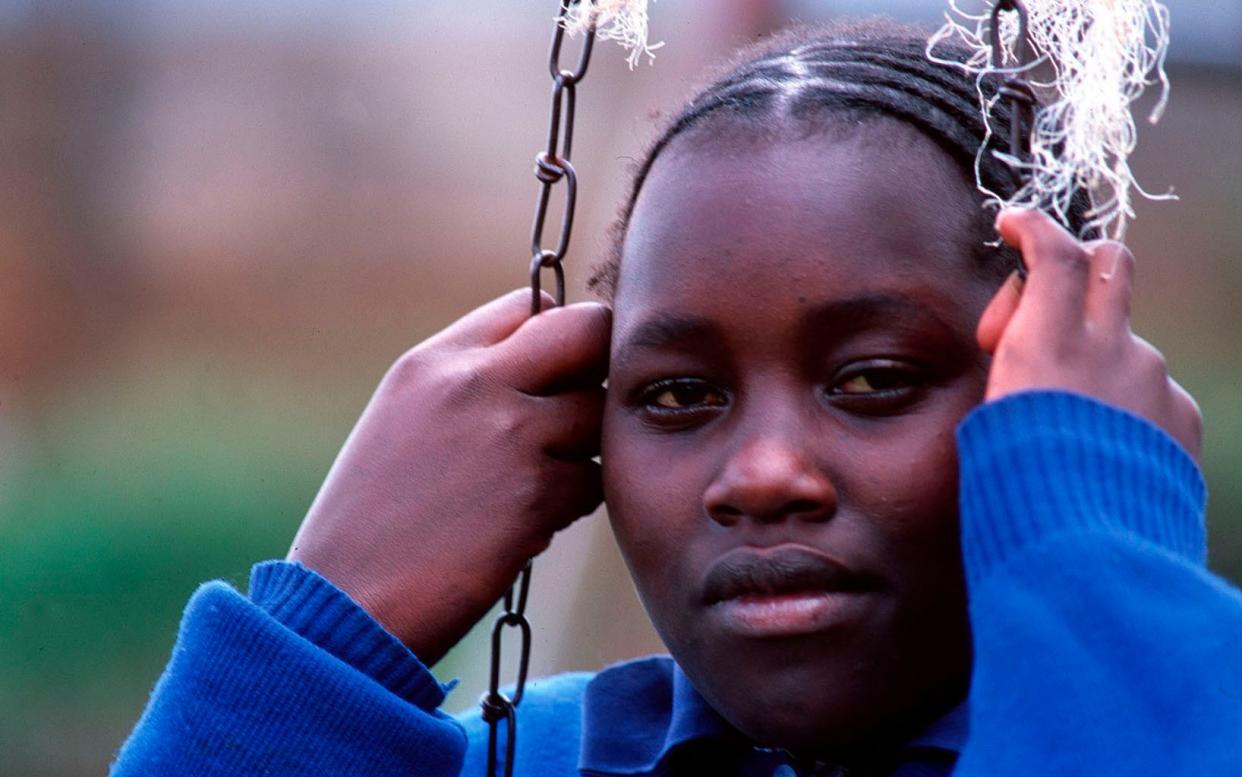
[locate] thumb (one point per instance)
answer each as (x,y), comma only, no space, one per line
(561,348)
(490,323)
(997,315)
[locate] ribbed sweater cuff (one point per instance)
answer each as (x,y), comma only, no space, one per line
(309,605)
(1048,463)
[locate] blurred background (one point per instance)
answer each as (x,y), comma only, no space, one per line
(221,221)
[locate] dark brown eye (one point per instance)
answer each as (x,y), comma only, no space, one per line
(877,385)
(873,381)
(683,394)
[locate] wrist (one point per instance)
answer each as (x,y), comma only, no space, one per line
(1039,464)
(310,605)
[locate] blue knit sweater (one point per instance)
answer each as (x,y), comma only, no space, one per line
(1102,646)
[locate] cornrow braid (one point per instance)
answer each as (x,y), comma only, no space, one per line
(846,75)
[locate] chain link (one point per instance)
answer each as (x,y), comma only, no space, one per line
(552,166)
(1016,89)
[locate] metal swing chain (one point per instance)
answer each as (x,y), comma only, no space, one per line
(552,166)
(1016,89)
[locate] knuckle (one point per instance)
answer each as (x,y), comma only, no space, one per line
(546,501)
(461,381)
(1072,350)
(1098,337)
(1045,238)
(529,491)
(1025,219)
(471,383)
(509,425)
(1069,257)
(1195,415)
(1190,407)
(1112,258)
(1125,259)
(1057,254)
(1105,247)
(1150,360)
(410,365)
(1009,359)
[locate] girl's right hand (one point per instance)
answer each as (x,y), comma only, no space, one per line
(476,447)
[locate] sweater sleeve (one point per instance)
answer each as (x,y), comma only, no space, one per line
(1102,644)
(296,679)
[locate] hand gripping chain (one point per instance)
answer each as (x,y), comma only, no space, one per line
(552,166)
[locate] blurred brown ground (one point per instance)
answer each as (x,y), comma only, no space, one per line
(217,230)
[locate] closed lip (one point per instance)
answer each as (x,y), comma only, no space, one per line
(782,570)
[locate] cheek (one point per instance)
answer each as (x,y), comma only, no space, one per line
(910,495)
(646,500)
(655,508)
(916,482)
(904,472)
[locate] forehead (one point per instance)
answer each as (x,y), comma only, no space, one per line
(740,219)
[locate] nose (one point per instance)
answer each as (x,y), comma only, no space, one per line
(770,479)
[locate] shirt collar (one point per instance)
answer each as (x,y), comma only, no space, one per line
(635,713)
(948,732)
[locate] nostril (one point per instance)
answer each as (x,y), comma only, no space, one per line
(803,507)
(800,509)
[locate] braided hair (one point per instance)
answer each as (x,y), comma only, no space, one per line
(842,76)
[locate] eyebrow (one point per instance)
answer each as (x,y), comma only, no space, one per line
(857,314)
(843,317)
(668,332)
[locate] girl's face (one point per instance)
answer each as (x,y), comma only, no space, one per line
(793,346)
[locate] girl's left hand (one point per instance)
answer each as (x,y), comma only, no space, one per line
(1068,327)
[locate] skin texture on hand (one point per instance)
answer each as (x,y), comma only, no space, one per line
(474,450)
(1068,327)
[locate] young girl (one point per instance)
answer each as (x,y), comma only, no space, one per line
(804,308)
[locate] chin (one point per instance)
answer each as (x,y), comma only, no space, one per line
(797,695)
(807,710)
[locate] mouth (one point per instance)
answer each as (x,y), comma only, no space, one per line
(785,591)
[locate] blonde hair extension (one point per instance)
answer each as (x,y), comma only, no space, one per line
(1102,54)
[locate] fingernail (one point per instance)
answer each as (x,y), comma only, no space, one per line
(600,308)
(604,311)
(1005,213)
(1018,280)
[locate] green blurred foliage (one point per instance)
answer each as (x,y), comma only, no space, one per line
(122,511)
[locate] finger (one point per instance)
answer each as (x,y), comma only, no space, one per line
(562,348)
(1111,286)
(998,312)
(1057,269)
(577,418)
(1190,420)
(492,322)
(578,490)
